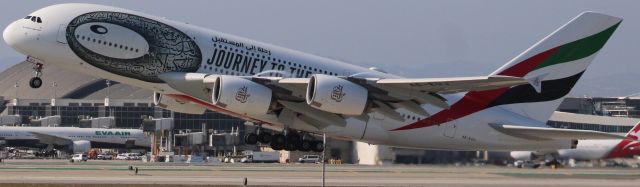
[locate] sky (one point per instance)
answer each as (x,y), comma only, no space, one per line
(422,38)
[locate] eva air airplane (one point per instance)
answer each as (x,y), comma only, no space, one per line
(192,69)
(73,139)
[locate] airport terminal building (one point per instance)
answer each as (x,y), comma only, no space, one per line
(72,99)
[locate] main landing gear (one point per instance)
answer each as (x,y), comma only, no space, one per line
(289,140)
(36,81)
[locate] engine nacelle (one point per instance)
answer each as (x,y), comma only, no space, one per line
(176,105)
(523,155)
(81,146)
(241,95)
(336,95)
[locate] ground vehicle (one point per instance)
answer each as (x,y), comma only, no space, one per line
(233,158)
(309,159)
(105,157)
(526,164)
(93,154)
(79,157)
(123,156)
(265,157)
(129,156)
(134,156)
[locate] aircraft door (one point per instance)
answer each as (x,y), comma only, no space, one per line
(450,129)
(62,34)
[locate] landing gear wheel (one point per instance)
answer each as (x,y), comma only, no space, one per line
(290,146)
(35,82)
(264,137)
(536,166)
(317,146)
(554,164)
(293,142)
(277,142)
(251,138)
(305,145)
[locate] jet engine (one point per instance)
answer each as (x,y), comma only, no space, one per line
(336,95)
(523,155)
(241,95)
(177,105)
(81,146)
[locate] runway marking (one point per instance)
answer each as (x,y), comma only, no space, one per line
(114,172)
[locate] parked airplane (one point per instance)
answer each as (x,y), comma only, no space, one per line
(73,139)
(192,69)
(588,149)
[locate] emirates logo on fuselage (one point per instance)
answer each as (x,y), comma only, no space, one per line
(242,94)
(337,93)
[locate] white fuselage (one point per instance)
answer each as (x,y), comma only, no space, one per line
(589,150)
(97,136)
(231,55)
(585,150)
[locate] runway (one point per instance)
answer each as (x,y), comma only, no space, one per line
(116,173)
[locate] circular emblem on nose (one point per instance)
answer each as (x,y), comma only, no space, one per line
(159,48)
(98,29)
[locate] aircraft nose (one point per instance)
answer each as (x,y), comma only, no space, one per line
(12,36)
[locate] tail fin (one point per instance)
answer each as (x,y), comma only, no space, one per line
(627,147)
(634,132)
(554,65)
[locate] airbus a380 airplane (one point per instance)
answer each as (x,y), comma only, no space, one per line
(73,139)
(192,69)
(589,149)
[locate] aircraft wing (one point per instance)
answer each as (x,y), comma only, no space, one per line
(544,133)
(453,85)
(52,139)
(421,90)
(386,94)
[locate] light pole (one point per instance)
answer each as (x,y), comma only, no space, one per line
(324,149)
(108,85)
(106,97)
(15,101)
(16,87)
(55,89)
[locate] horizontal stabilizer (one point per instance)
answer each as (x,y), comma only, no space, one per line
(544,133)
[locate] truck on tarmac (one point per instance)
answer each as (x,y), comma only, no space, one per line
(259,156)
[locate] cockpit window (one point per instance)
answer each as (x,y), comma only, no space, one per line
(34,19)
